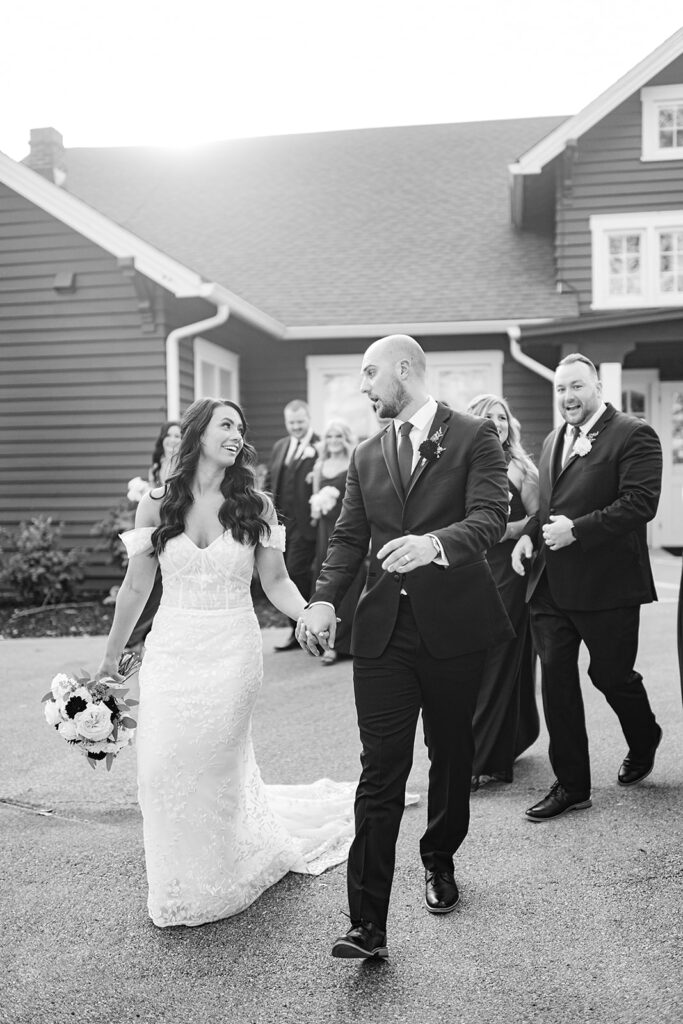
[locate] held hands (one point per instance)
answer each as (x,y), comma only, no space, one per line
(406,553)
(558,533)
(521,553)
(316,629)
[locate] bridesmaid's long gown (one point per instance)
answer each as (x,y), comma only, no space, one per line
(506,719)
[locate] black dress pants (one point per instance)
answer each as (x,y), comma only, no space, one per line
(299,556)
(390,691)
(611,636)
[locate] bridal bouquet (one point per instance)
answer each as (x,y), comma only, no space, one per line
(93,714)
(323,501)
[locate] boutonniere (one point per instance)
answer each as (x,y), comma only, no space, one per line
(584,443)
(308,452)
(431,449)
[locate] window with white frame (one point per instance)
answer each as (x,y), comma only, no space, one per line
(216,371)
(452,377)
(637,259)
(662,122)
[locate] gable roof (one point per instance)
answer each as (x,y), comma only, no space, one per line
(155,264)
(341,229)
(535,159)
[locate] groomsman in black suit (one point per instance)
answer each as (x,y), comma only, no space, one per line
(429,494)
(289,481)
(600,479)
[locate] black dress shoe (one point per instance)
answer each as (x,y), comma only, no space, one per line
(361,942)
(289,645)
(635,769)
(441,892)
(557,801)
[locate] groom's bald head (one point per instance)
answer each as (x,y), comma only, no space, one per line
(399,348)
(393,376)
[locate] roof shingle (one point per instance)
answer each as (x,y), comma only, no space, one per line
(369,226)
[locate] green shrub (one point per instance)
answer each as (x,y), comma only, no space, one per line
(39,572)
(117,520)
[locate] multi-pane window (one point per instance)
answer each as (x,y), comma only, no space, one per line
(671,261)
(670,123)
(662,122)
(625,264)
(637,259)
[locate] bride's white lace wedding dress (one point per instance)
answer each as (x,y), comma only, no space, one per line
(215,835)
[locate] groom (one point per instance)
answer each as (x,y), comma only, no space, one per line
(429,495)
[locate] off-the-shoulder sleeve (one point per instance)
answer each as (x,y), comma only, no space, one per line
(277,537)
(138,541)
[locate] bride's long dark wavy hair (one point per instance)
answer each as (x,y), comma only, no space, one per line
(244,508)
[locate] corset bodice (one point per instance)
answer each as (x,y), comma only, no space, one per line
(215,577)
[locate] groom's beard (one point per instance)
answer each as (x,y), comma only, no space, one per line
(390,408)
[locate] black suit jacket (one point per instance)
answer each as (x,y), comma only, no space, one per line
(611,494)
(300,514)
(461,498)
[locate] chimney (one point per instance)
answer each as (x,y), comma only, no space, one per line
(47,154)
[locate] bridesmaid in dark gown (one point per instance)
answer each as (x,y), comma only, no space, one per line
(506,719)
(329,476)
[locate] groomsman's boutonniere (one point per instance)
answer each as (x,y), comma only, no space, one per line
(309,452)
(584,443)
(431,449)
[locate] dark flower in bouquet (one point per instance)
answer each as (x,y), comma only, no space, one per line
(93,714)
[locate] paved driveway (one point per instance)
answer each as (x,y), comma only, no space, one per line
(576,921)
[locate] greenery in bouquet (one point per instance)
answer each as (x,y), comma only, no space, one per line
(39,571)
(93,714)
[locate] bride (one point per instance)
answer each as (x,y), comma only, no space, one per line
(215,836)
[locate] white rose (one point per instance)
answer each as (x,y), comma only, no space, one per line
(67,730)
(62,684)
(309,452)
(94,723)
(52,715)
(137,488)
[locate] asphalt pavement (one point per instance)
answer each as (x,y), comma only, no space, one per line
(575,921)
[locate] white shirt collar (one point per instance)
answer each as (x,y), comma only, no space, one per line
(585,427)
(294,443)
(422,418)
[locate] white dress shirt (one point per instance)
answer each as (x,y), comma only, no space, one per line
(422,421)
(585,428)
(297,448)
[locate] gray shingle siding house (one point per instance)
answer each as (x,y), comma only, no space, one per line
(133,280)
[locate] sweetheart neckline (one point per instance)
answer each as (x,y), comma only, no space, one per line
(206,548)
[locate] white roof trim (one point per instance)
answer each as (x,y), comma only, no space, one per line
(429,328)
(153,263)
(535,159)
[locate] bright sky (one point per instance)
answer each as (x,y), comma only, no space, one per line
(159,72)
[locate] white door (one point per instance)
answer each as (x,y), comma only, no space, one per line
(452,377)
(670,514)
(216,371)
(660,403)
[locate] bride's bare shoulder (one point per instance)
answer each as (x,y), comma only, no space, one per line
(149,510)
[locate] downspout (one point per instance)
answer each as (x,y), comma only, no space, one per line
(514,334)
(173,347)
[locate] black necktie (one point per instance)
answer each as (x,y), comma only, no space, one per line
(573,433)
(405,454)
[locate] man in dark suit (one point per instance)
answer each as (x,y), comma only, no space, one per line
(289,481)
(600,478)
(429,493)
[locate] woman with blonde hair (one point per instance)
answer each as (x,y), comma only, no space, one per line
(506,718)
(329,484)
